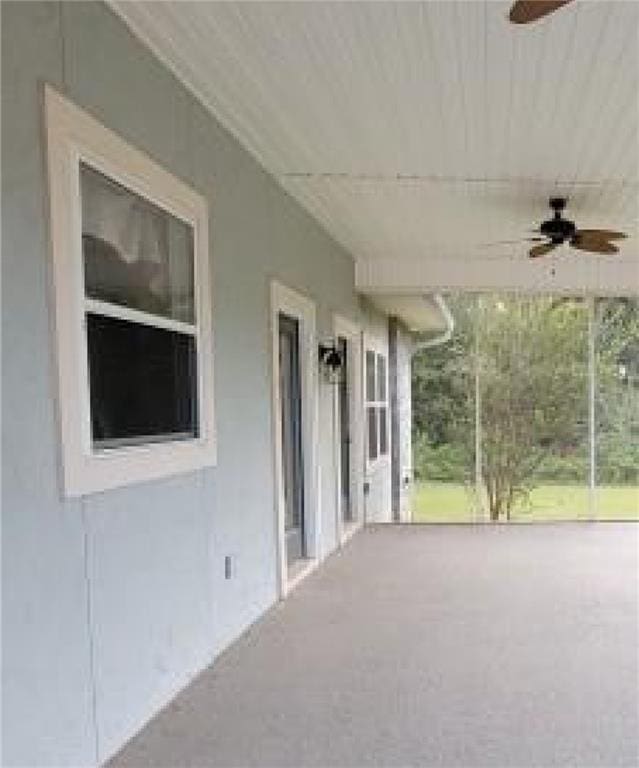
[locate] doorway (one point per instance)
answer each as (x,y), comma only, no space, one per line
(295,411)
(291,435)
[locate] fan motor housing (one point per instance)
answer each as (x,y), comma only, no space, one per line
(557,230)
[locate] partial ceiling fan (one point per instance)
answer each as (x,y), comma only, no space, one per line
(557,231)
(527,11)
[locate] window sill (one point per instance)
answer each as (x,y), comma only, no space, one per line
(105,470)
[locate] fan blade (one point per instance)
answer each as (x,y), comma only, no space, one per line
(599,234)
(513,242)
(593,246)
(525,11)
(541,250)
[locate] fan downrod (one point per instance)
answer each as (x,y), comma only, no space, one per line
(558,204)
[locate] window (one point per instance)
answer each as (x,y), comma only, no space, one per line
(382,410)
(370,377)
(132,298)
(376,405)
(142,383)
(140,317)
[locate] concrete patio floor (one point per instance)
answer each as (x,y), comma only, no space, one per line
(429,646)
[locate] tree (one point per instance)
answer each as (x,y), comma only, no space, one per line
(531,357)
(532,360)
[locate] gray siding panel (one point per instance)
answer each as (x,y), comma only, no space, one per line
(47,712)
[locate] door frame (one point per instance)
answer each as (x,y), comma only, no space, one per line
(352,332)
(300,307)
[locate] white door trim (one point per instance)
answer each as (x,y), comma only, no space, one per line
(353,335)
(294,304)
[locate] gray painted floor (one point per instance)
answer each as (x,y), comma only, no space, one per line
(429,646)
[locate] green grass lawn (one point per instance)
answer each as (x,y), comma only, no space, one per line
(447,502)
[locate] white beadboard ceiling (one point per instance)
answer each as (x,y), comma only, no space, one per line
(418,132)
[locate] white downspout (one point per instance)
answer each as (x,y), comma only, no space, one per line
(443,337)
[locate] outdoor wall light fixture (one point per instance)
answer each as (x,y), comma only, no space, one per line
(331,360)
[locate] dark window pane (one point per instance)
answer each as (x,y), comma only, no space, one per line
(135,254)
(383,432)
(143,383)
(370,376)
(371,413)
(381,378)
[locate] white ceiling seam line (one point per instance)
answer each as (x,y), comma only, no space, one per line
(436,179)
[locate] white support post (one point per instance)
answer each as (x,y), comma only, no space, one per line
(479,507)
(592,326)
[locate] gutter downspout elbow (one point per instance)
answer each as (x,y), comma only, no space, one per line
(443,337)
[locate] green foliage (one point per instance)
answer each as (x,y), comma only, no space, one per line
(443,380)
(532,360)
(570,469)
(446,462)
(531,357)
(450,502)
(618,460)
(617,403)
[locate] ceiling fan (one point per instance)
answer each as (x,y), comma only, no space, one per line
(527,11)
(557,230)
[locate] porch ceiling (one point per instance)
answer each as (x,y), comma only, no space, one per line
(420,314)
(418,132)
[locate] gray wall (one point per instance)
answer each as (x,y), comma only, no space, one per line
(112,602)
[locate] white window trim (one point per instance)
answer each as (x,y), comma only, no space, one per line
(74,136)
(294,304)
(376,403)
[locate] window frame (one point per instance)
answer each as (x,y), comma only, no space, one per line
(378,404)
(74,137)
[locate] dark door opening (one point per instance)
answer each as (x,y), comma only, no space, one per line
(291,426)
(345,433)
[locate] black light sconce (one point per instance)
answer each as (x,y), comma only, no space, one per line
(331,360)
